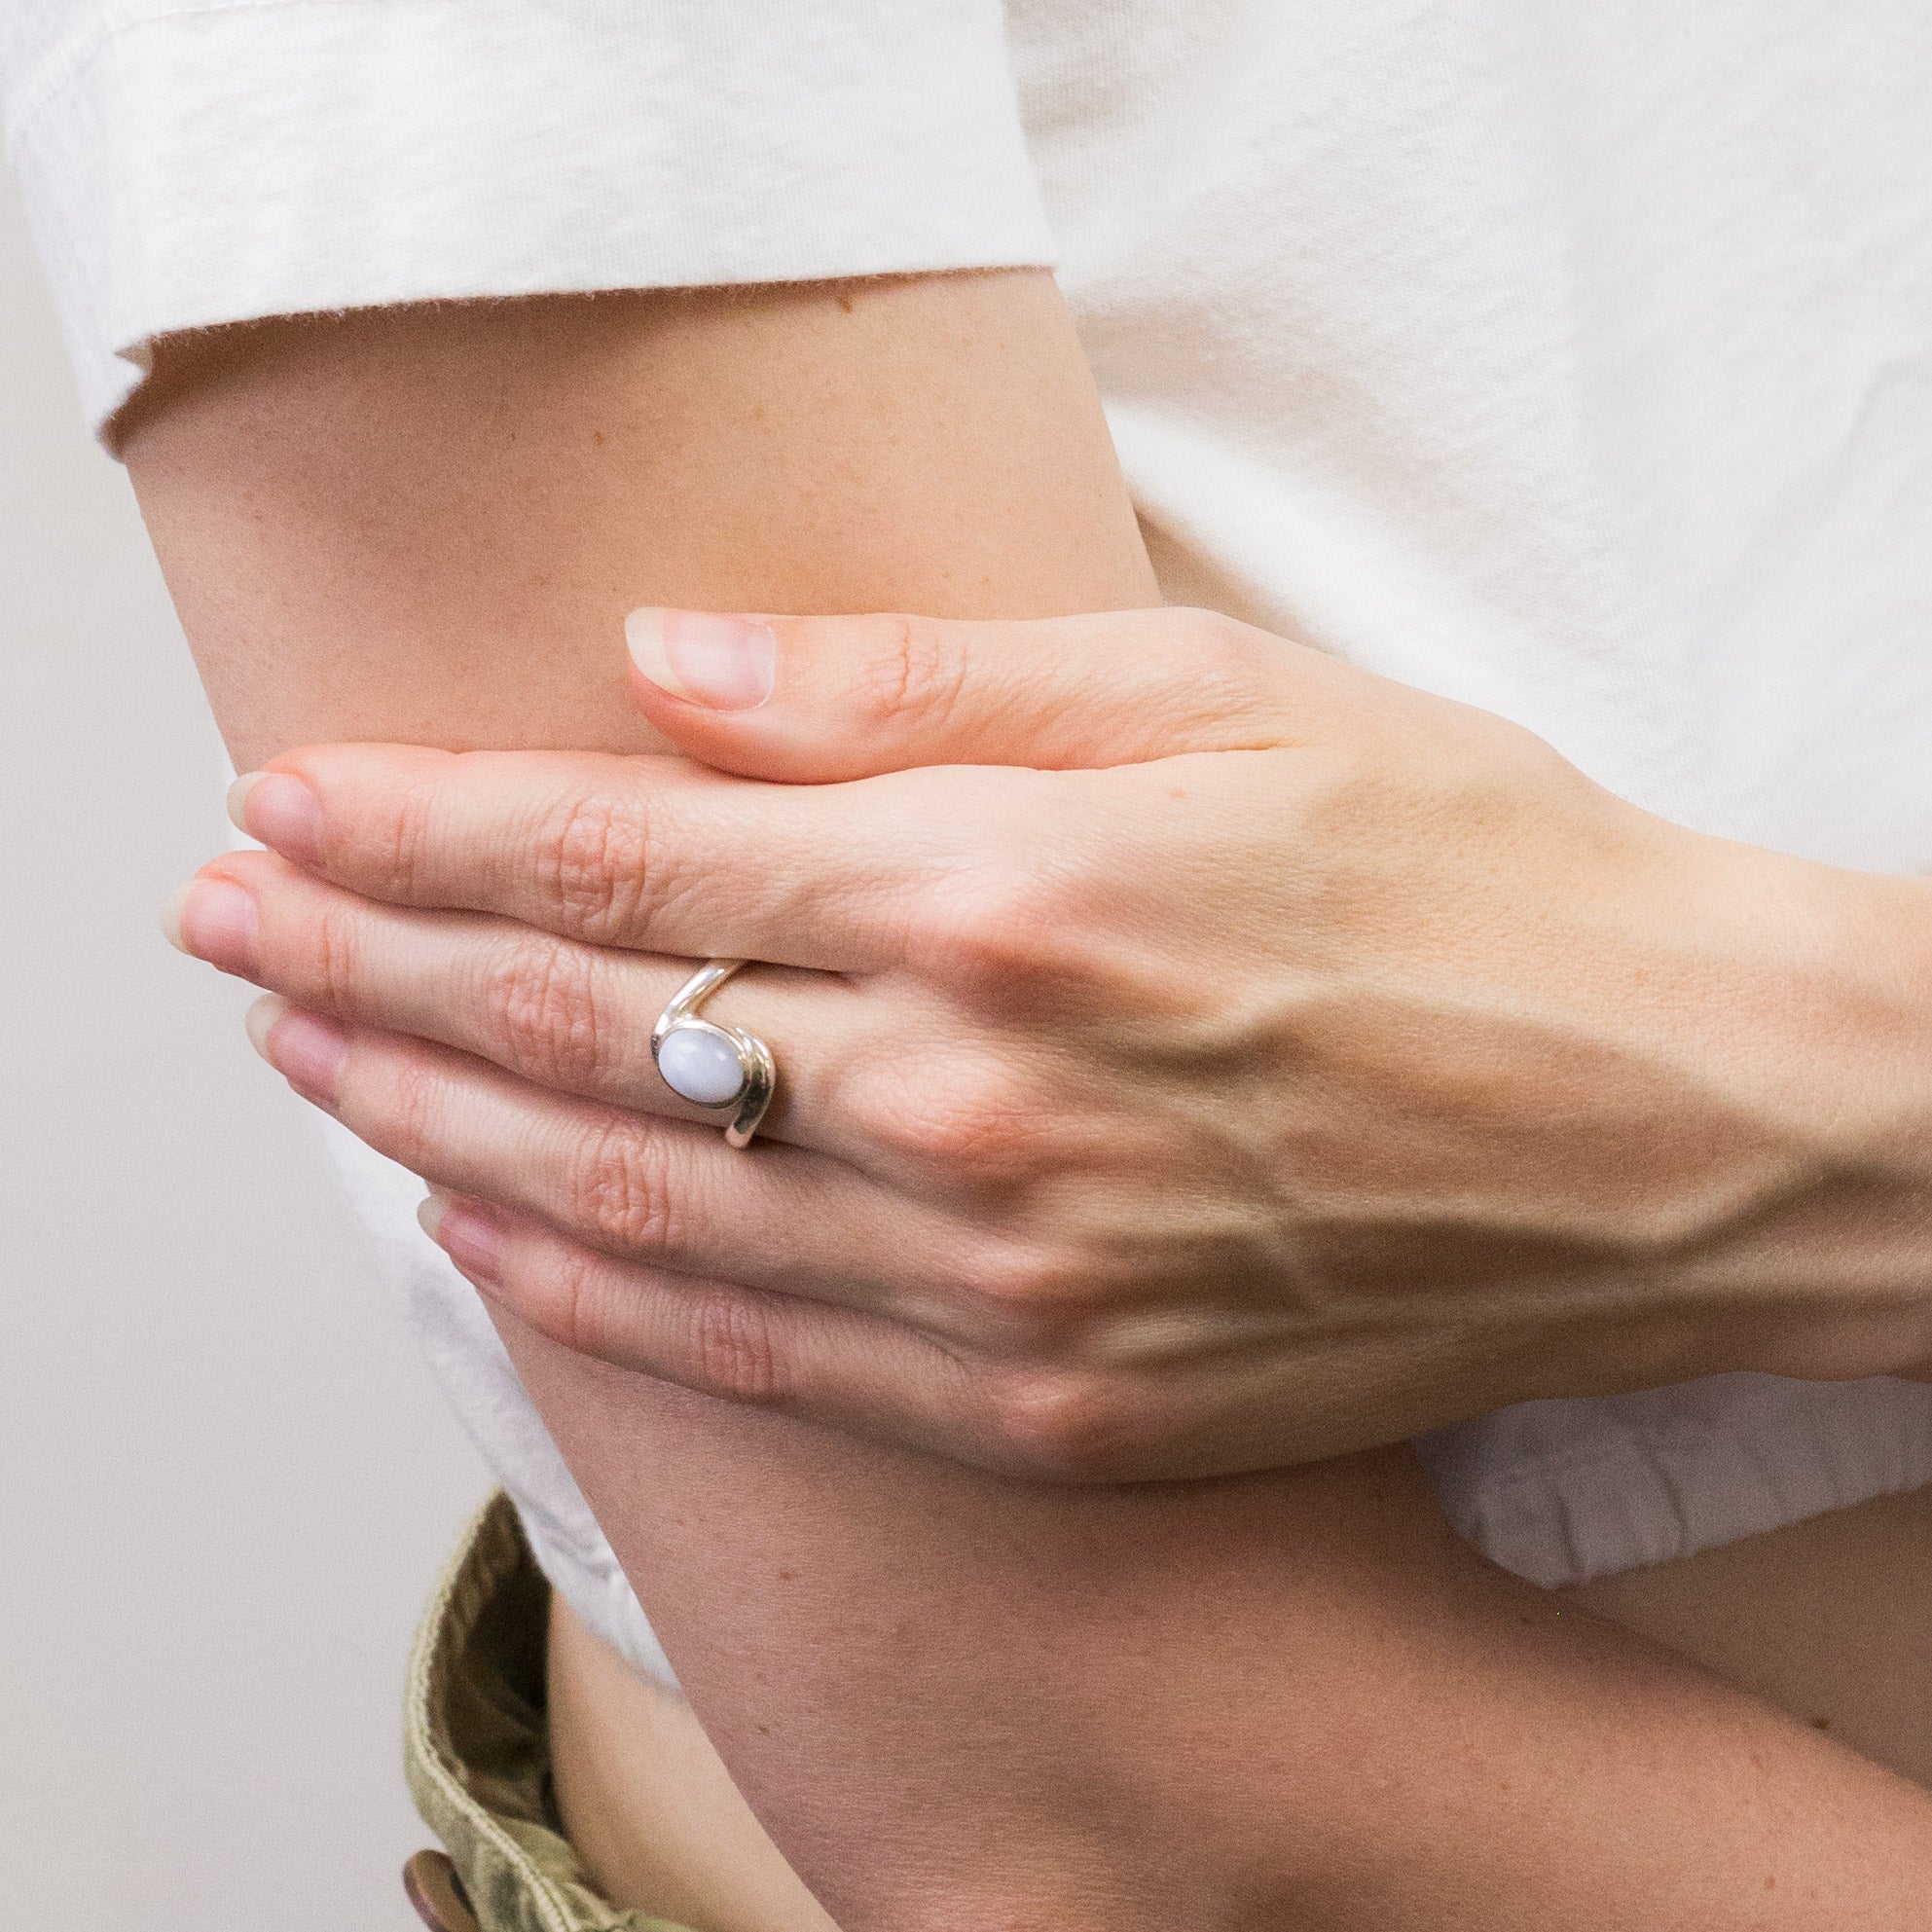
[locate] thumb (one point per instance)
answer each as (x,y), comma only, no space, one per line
(818,700)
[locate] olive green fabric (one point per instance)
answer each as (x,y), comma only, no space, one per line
(476,1748)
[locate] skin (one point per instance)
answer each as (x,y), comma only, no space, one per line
(1184,1087)
(655,1812)
(1267,1700)
(1830,1618)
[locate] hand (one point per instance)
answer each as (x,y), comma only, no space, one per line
(1194,1054)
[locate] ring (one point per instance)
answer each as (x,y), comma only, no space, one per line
(711,1065)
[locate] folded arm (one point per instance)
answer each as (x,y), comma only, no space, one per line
(1263,1700)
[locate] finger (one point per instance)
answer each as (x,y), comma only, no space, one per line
(847,1367)
(661,1193)
(1057,1420)
(557,1013)
(822,698)
(641,853)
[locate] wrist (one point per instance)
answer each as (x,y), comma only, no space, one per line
(1826,1013)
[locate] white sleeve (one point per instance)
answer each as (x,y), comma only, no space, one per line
(195,162)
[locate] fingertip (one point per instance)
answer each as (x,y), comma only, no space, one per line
(170,917)
(719,660)
(644,638)
(430,1210)
(470,1237)
(310,1053)
(649,696)
(259,1021)
(281,811)
(213,918)
(238,800)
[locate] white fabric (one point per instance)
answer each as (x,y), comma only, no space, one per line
(196,160)
(1573,361)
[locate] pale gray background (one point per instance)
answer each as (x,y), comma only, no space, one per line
(226,1484)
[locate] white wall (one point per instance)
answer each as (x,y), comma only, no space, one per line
(225,1482)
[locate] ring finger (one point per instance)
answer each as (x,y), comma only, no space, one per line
(663,1194)
(565,1015)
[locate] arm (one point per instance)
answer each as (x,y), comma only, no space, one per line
(1267,1700)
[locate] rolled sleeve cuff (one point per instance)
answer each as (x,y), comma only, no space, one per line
(189,166)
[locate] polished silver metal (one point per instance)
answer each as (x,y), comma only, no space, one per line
(754,1057)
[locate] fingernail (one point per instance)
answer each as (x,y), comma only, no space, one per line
(170,916)
(307,1050)
(260,1020)
(724,663)
(429,1211)
(214,919)
(281,812)
(471,1240)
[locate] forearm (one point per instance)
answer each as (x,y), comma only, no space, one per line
(409,527)
(430,526)
(1263,1701)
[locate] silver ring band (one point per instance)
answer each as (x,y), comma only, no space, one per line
(699,1071)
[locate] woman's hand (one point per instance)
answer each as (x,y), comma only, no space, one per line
(1194,1054)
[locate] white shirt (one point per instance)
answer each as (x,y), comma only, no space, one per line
(1575,362)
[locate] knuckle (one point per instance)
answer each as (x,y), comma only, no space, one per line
(397,847)
(1231,661)
(1520,759)
(995,937)
(566,1298)
(619,1191)
(414,1124)
(1068,1424)
(1226,641)
(335,955)
(592,859)
(1027,1300)
(734,1351)
(542,1001)
(915,673)
(580,1300)
(964,1124)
